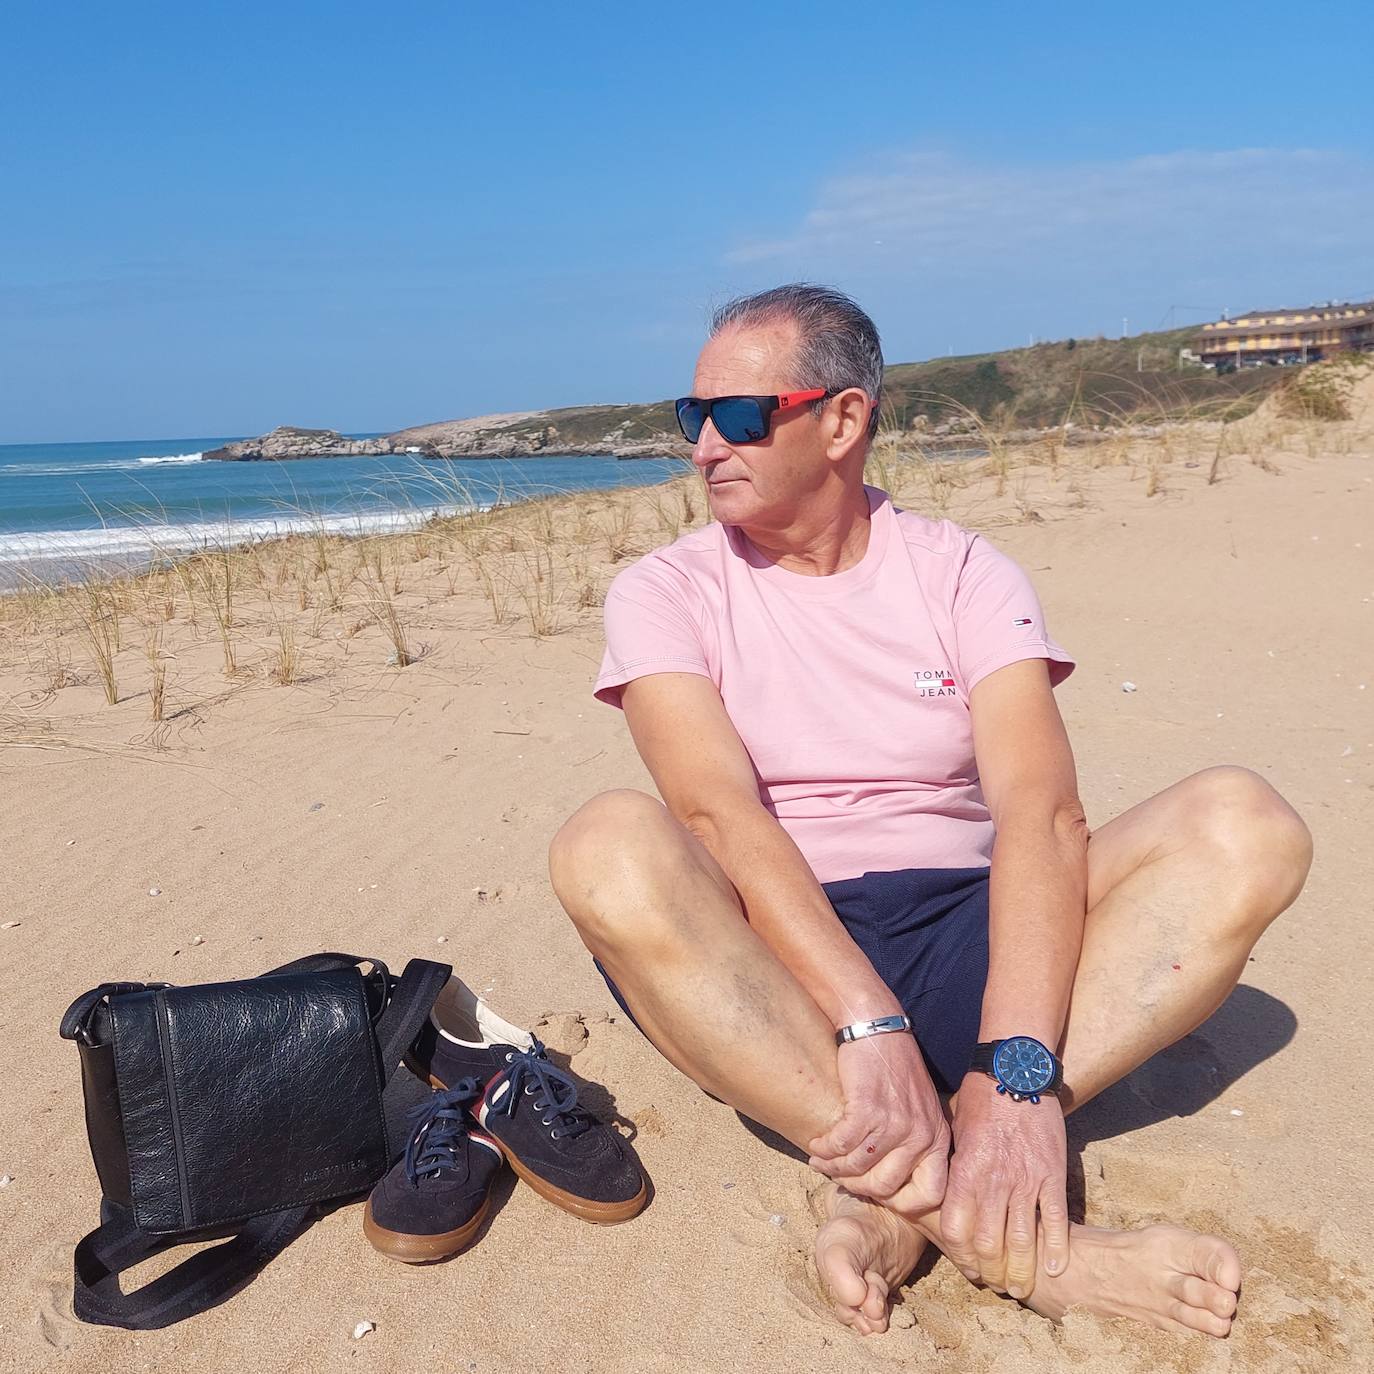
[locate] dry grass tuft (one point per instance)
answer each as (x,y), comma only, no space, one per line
(286,665)
(538,590)
(157,669)
(380,602)
(98,616)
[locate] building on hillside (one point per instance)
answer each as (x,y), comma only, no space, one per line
(1304,335)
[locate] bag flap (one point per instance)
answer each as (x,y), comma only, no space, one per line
(245,1098)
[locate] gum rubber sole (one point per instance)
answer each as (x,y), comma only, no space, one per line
(602,1213)
(412,1249)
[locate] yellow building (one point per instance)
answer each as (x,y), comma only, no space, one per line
(1287,336)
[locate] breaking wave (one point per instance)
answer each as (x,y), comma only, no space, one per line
(113,465)
(142,543)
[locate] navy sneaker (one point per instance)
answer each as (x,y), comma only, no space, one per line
(529,1106)
(436,1196)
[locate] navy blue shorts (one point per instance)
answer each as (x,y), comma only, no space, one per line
(925,931)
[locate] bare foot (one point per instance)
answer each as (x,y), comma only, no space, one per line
(862,1251)
(1165,1276)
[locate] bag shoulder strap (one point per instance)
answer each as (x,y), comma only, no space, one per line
(212,1275)
(410,1003)
(195,1285)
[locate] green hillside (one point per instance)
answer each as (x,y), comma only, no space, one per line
(1088,381)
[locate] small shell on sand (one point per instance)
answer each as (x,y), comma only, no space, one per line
(155,892)
(1128,687)
(198,939)
(362,1329)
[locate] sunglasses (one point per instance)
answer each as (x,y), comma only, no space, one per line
(738,419)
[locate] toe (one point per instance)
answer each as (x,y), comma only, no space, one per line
(1199,1319)
(1209,1297)
(874,1305)
(1217,1262)
(841,1273)
(850,1316)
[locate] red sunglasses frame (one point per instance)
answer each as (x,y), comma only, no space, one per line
(768,406)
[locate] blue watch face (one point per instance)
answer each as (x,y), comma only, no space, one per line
(1023,1066)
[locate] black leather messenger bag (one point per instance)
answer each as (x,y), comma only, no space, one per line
(240,1110)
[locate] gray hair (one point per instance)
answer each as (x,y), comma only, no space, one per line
(837,345)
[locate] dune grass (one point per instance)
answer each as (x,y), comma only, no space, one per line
(258,611)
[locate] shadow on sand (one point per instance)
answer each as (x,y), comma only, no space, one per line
(1248,1028)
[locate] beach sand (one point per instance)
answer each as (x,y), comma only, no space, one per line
(376,809)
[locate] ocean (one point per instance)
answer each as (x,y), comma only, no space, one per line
(69,509)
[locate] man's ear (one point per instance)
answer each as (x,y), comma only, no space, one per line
(850,417)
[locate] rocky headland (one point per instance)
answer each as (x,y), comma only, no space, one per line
(582,431)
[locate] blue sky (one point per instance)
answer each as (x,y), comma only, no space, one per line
(216,218)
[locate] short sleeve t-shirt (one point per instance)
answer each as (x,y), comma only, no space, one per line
(850,692)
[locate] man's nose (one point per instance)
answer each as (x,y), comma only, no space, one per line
(709,447)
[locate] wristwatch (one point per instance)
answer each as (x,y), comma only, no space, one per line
(882,1025)
(1022,1066)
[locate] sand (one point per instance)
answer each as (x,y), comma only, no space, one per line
(377,809)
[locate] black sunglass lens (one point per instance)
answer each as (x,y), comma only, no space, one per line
(690,419)
(739,420)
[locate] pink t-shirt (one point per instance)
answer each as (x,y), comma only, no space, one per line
(850,691)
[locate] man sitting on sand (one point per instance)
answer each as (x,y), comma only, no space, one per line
(842,704)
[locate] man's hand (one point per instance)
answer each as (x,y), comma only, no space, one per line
(892,1143)
(1009,1158)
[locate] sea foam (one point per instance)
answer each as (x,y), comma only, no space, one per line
(109,465)
(144,543)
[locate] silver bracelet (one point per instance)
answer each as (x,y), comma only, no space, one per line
(882,1025)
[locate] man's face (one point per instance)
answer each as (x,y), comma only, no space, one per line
(757,484)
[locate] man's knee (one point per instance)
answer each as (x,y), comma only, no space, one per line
(1251,830)
(606,858)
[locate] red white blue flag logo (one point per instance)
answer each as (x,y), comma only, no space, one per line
(934,682)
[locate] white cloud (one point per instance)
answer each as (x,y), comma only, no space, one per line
(938,211)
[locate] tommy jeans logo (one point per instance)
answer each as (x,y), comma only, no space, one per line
(934,682)
(1022,621)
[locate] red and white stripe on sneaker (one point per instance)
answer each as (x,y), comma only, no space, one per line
(478,1138)
(494,1092)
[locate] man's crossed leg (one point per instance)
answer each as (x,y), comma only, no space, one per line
(1179,889)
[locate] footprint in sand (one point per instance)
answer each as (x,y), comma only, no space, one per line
(773,1215)
(564,1032)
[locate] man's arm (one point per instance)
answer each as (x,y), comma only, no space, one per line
(706,779)
(704,774)
(1010,1157)
(1039,881)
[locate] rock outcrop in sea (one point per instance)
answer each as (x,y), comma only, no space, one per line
(582,431)
(288,441)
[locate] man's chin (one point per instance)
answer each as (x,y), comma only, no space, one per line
(732,497)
